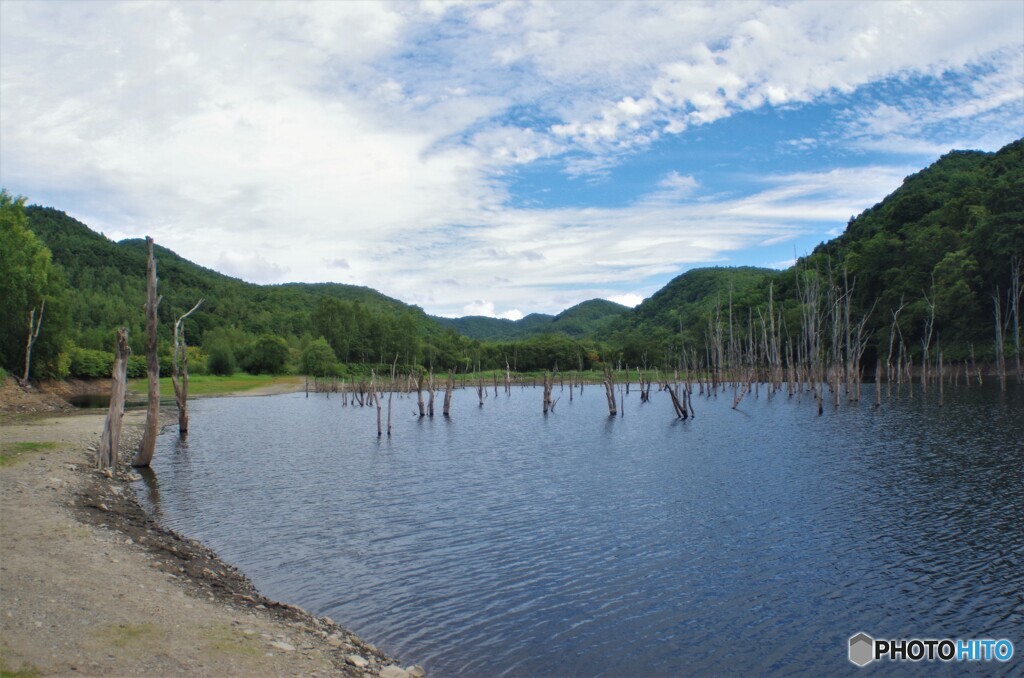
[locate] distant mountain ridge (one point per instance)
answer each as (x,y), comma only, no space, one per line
(590,318)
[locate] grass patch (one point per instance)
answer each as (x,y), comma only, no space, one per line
(207,384)
(26,670)
(231,640)
(9,452)
(130,635)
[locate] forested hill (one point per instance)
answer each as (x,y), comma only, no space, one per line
(592,319)
(106,282)
(944,239)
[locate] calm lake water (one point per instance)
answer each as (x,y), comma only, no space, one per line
(504,542)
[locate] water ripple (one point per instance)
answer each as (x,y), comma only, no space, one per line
(502,542)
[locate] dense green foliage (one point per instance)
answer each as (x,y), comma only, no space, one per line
(27,279)
(944,238)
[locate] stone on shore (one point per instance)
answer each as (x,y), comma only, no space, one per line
(357,661)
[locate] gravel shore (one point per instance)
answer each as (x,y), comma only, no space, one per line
(91,585)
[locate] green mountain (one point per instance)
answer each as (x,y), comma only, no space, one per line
(107,290)
(484,328)
(593,318)
(945,239)
(688,298)
(589,319)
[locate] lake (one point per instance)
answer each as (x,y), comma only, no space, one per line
(504,542)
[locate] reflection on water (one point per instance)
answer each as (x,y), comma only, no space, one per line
(503,542)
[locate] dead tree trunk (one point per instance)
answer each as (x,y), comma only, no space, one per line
(1000,355)
(34,326)
(878,383)
(148,446)
(430,385)
(680,409)
(1016,292)
(419,394)
(181,357)
(449,387)
(391,391)
(110,441)
(926,341)
(375,400)
(547,392)
(609,387)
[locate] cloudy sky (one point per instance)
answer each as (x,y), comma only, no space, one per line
(493,158)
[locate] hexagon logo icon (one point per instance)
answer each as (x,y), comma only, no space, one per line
(862,649)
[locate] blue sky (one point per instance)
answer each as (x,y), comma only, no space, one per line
(496,158)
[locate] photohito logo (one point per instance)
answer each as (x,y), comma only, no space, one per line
(864,649)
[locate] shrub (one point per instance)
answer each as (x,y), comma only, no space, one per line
(266,355)
(87,363)
(137,367)
(221,360)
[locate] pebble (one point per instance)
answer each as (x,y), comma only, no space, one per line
(357,661)
(283,646)
(393,672)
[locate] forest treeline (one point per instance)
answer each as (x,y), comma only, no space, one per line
(932,265)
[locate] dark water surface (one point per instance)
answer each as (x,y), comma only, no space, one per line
(503,542)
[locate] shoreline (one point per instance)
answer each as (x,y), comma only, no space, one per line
(93,585)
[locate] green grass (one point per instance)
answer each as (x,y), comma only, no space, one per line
(231,640)
(130,635)
(26,671)
(9,452)
(205,384)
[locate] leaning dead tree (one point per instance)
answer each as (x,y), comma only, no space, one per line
(34,325)
(106,455)
(148,446)
(180,365)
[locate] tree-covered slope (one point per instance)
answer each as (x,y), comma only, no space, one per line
(946,238)
(107,288)
(591,319)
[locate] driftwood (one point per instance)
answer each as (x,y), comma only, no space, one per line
(106,455)
(148,446)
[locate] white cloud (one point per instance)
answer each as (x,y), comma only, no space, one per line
(372,143)
(629,299)
(479,307)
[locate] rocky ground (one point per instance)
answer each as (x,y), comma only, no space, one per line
(90,585)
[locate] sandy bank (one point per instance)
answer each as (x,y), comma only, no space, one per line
(90,585)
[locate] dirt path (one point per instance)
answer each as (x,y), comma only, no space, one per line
(90,586)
